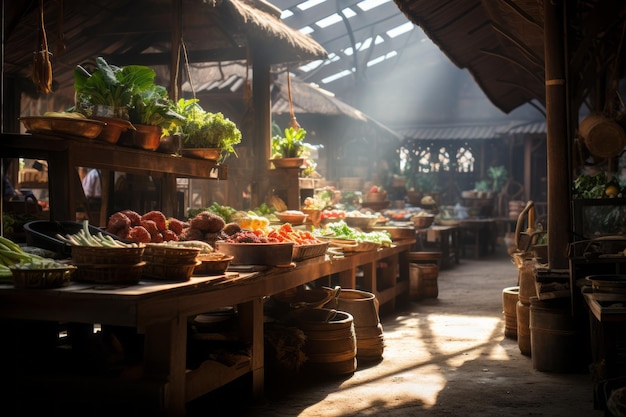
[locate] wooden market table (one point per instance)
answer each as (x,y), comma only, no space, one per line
(160,311)
(443,238)
(608,343)
(480,234)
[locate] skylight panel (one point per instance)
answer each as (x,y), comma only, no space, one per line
(399,30)
(329,20)
(381,58)
(284,14)
(335,17)
(311,65)
(366,5)
(309,3)
(307,30)
(336,76)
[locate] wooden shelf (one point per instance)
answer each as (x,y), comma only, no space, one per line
(65,155)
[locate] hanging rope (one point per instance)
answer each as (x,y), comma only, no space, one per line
(42,68)
(293,122)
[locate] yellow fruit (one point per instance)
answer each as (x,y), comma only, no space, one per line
(611,191)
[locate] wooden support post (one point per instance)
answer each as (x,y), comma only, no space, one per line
(558,137)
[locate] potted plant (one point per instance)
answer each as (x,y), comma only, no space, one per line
(150,112)
(107,92)
(205,135)
(288,148)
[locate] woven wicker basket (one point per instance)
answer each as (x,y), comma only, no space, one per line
(128,274)
(42,278)
(96,255)
(302,252)
(170,272)
(159,254)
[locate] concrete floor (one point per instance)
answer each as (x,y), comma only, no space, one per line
(443,357)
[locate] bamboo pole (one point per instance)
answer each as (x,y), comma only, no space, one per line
(559,216)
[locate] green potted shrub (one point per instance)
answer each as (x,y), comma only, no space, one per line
(204,134)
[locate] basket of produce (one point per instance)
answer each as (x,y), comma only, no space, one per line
(170,271)
(308,251)
(99,255)
(127,274)
(42,275)
(173,254)
(43,234)
(213,264)
(101,249)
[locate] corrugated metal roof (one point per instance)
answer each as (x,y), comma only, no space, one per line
(484,131)
(533,128)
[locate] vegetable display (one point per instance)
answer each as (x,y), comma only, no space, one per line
(85,238)
(11,255)
(341,230)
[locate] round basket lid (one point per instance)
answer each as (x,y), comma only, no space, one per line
(603,137)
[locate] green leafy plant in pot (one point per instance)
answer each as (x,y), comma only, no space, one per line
(288,148)
(204,130)
(108,90)
(150,112)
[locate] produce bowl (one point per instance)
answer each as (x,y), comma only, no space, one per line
(270,254)
(86,128)
(362,222)
(423,221)
(293,218)
(213,264)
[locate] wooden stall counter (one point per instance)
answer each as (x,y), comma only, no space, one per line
(160,312)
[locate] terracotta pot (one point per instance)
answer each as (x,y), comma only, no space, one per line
(212,154)
(147,137)
(287,162)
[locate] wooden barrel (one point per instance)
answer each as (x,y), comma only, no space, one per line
(363,306)
(423,281)
(510,297)
(526,281)
(552,335)
(370,343)
(330,345)
(523,328)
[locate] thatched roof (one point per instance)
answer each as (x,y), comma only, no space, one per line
(142,32)
(501,43)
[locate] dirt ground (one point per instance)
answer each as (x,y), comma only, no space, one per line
(442,357)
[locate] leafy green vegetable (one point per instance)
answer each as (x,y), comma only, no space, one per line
(110,85)
(291,145)
(341,230)
(590,186)
(203,129)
